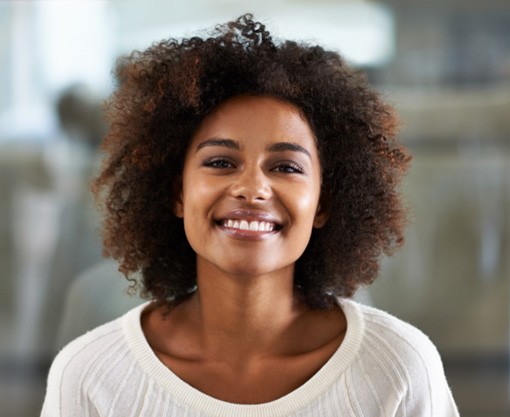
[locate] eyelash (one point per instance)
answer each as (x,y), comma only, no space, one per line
(285,167)
(288,168)
(218,163)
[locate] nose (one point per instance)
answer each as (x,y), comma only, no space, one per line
(251,185)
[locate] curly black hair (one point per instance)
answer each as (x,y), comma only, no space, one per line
(165,92)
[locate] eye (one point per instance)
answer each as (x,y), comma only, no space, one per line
(219,163)
(288,167)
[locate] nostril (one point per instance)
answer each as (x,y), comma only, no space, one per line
(251,187)
(241,197)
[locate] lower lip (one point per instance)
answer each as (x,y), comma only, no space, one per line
(247,234)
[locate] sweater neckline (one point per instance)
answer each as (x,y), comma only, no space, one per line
(297,399)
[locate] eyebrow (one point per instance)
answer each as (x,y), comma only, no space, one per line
(275,147)
(227,143)
(288,146)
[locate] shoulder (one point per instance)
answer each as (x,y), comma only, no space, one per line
(85,348)
(397,360)
(385,332)
(83,353)
(98,358)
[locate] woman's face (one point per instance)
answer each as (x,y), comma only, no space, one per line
(250,187)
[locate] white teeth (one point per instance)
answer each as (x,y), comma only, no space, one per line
(253,226)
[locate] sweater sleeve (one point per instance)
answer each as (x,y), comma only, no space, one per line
(68,391)
(405,369)
(429,394)
(51,406)
(63,392)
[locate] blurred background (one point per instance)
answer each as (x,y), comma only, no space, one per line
(445,65)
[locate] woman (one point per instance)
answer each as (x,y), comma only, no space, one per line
(255,186)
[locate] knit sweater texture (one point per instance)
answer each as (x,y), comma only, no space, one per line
(384,367)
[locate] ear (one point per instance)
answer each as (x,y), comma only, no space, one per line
(177,204)
(323,210)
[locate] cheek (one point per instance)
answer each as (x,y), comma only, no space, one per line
(199,199)
(196,193)
(305,204)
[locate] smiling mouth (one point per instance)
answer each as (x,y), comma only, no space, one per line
(253,225)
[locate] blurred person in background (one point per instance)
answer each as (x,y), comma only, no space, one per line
(72,159)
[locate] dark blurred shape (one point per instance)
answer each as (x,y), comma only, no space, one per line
(80,115)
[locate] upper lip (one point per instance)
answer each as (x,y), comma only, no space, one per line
(250,215)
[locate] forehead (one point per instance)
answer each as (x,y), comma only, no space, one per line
(256,118)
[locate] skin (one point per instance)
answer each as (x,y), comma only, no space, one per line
(246,336)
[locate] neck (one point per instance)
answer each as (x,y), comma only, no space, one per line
(247,313)
(241,321)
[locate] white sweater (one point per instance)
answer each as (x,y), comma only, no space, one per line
(384,367)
